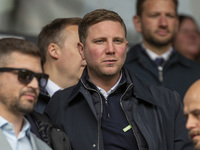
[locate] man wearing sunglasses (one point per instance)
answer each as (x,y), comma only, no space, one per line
(20,79)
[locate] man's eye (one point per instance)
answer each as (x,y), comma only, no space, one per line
(196,114)
(170,15)
(118,41)
(153,15)
(186,116)
(99,41)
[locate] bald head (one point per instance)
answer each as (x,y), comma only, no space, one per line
(193,93)
(192,112)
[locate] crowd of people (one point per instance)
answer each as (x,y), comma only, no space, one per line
(79,88)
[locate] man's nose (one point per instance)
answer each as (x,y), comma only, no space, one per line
(110,48)
(163,21)
(34,83)
(191,122)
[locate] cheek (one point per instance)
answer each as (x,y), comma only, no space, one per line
(7,87)
(122,51)
(151,25)
(93,53)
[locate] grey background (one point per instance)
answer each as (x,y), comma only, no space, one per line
(27,17)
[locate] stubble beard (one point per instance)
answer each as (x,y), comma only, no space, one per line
(196,145)
(156,42)
(15,105)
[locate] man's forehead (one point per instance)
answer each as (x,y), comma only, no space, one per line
(104,26)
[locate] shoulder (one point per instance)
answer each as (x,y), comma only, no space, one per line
(185,61)
(155,94)
(133,52)
(38,144)
(135,47)
(65,92)
(59,100)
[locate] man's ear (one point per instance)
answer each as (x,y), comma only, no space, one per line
(83,63)
(54,50)
(137,23)
(81,50)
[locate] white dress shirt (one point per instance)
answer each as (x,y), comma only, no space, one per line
(52,87)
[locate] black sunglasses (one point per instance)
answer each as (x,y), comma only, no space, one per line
(26,76)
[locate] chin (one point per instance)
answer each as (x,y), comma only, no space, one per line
(196,145)
(26,109)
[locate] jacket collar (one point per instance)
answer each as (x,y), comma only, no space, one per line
(138,52)
(138,90)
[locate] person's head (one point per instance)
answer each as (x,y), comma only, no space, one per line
(192,112)
(140,6)
(187,40)
(58,42)
(157,21)
(20,75)
(103,42)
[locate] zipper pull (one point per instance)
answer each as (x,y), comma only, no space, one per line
(160,73)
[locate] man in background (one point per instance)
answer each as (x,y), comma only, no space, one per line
(192,113)
(61,59)
(155,60)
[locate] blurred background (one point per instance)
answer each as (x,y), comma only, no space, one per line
(25,18)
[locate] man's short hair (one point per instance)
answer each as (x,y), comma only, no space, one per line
(52,33)
(139,6)
(95,17)
(9,45)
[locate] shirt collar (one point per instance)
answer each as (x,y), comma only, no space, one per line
(104,93)
(25,128)
(153,55)
(52,87)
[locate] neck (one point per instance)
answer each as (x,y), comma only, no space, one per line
(15,118)
(159,50)
(105,82)
(61,78)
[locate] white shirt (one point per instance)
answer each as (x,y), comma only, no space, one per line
(153,55)
(22,142)
(51,87)
(106,94)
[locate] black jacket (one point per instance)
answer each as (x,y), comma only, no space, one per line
(154,112)
(48,131)
(178,72)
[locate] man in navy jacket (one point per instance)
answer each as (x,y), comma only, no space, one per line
(157,21)
(110,108)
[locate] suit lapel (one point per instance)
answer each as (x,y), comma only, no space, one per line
(3,142)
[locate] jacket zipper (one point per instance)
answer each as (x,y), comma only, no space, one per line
(127,117)
(99,122)
(160,73)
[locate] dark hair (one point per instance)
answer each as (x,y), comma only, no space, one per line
(95,17)
(139,6)
(182,17)
(52,33)
(9,45)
